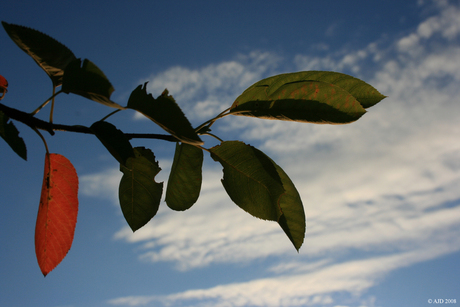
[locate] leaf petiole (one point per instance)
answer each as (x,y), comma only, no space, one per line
(52,104)
(210,122)
(43,139)
(214,136)
(45,103)
(110,114)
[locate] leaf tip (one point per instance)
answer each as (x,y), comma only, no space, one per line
(5,24)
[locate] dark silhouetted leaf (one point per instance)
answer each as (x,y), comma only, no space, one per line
(366,94)
(114,140)
(250,179)
(303,101)
(49,54)
(184,182)
(165,112)
(89,81)
(57,214)
(10,134)
(139,194)
(293,219)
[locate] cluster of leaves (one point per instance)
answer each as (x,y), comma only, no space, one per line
(252,180)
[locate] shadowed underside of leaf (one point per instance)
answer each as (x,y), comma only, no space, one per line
(165,112)
(57,213)
(10,134)
(250,179)
(89,81)
(49,54)
(184,182)
(303,101)
(139,194)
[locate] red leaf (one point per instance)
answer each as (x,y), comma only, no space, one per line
(3,82)
(57,214)
(3,86)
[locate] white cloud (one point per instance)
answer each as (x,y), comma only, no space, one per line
(409,42)
(386,186)
(104,184)
(343,61)
(302,288)
(446,23)
(205,92)
(213,231)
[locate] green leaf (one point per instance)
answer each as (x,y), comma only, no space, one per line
(262,188)
(366,94)
(114,140)
(311,96)
(89,81)
(185,179)
(304,101)
(49,54)
(139,194)
(250,179)
(165,112)
(10,134)
(293,219)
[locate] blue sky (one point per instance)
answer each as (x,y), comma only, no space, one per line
(381,195)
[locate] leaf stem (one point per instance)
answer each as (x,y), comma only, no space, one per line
(210,122)
(43,139)
(52,104)
(112,113)
(45,103)
(213,135)
(203,148)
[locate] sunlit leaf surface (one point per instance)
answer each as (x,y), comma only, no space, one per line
(319,97)
(305,101)
(57,213)
(366,94)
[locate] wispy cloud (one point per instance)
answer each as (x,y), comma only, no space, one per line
(386,186)
(207,91)
(103,185)
(303,287)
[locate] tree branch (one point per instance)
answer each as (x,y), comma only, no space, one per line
(37,123)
